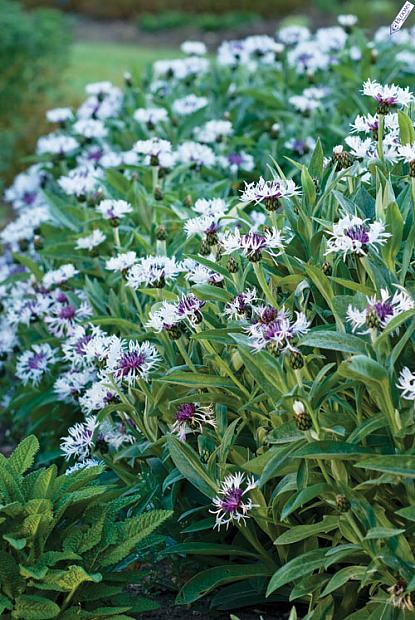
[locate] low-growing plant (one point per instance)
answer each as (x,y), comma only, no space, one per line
(65,540)
(214,272)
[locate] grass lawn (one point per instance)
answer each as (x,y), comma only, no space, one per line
(94,62)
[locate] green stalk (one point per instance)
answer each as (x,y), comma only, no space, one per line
(185,355)
(263,283)
(116,237)
(380,137)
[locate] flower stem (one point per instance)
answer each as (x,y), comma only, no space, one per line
(380,137)
(264,284)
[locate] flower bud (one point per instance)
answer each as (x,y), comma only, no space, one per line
(302,418)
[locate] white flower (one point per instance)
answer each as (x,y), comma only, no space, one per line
(253,244)
(189,104)
(157,152)
(352,235)
(196,154)
(69,385)
(379,312)
(361,148)
(269,192)
(193,48)
(81,181)
(202,225)
(387,96)
(152,271)
(33,364)
(90,128)
(213,131)
(63,316)
(231,504)
(25,191)
(122,262)
(86,464)
(114,209)
(90,241)
(80,439)
(151,116)
(129,361)
(275,329)
(98,396)
(100,88)
(407,152)
(241,306)
(237,160)
(59,115)
(59,276)
(347,20)
(163,317)
(200,274)
(304,104)
(56,144)
(406,384)
(215,207)
(191,418)
(291,35)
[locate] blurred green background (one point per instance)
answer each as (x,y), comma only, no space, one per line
(50,49)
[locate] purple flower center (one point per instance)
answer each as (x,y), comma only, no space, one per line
(67,312)
(232,500)
(254,241)
(358,233)
(235,159)
(268,315)
(383,309)
(35,362)
(81,344)
(29,197)
(389,101)
(62,298)
(129,362)
(185,412)
(95,155)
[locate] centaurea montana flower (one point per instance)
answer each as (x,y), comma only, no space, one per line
(379,312)
(353,235)
(231,504)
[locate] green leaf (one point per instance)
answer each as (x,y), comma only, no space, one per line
(342,576)
(406,128)
(398,464)
(29,607)
(407,513)
(194,379)
(334,341)
(332,450)
(299,566)
(212,578)
(376,533)
(300,532)
(210,549)
(317,161)
(302,497)
(24,455)
(188,463)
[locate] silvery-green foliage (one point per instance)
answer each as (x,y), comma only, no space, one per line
(237,332)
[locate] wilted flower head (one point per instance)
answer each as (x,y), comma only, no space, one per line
(231,504)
